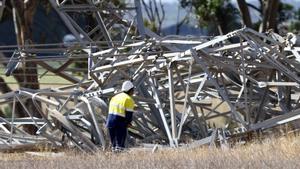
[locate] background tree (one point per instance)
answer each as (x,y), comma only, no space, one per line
(155,13)
(227,17)
(33,22)
(294,25)
(220,16)
(27,76)
(268,12)
(22,17)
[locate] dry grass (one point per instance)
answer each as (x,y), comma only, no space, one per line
(280,153)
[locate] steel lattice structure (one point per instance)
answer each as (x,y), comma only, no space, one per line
(249,79)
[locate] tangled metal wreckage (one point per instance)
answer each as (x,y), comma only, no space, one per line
(185,86)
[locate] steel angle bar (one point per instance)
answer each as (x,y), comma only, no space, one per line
(185,112)
(274,62)
(61,3)
(122,64)
(38,98)
(217,61)
(113,79)
(95,29)
(214,109)
(2,7)
(210,140)
(25,121)
(139,77)
(65,20)
(200,87)
(263,102)
(292,64)
(22,139)
(7,98)
(79,8)
(4,128)
(261,35)
(139,71)
(222,84)
(59,73)
(27,111)
(12,119)
(179,42)
(201,121)
(297,102)
(127,33)
(227,47)
(216,40)
(103,53)
(296,54)
(52,92)
(63,106)
(4,141)
(139,18)
(186,109)
(40,111)
(96,78)
(102,27)
(143,124)
(282,100)
(172,104)
(223,114)
(244,82)
(83,85)
(278,120)
(271,83)
(99,132)
(9,125)
(7,95)
(161,111)
(155,114)
(123,73)
(81,141)
(201,62)
(79,29)
(182,122)
(149,33)
(240,94)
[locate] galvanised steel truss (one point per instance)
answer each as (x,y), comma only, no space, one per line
(246,80)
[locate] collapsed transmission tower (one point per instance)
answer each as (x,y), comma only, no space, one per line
(184,86)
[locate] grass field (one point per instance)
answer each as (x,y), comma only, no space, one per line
(48,80)
(279,153)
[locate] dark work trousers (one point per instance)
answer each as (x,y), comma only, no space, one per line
(117,136)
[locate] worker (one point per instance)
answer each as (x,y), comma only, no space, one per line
(121,108)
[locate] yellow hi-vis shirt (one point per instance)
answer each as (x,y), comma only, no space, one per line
(120,103)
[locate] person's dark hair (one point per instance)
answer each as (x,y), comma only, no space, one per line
(130,92)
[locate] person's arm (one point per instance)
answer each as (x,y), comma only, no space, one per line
(129,105)
(129,117)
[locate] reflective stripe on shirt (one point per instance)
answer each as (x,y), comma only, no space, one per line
(120,103)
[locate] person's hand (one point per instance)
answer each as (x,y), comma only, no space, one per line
(129,125)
